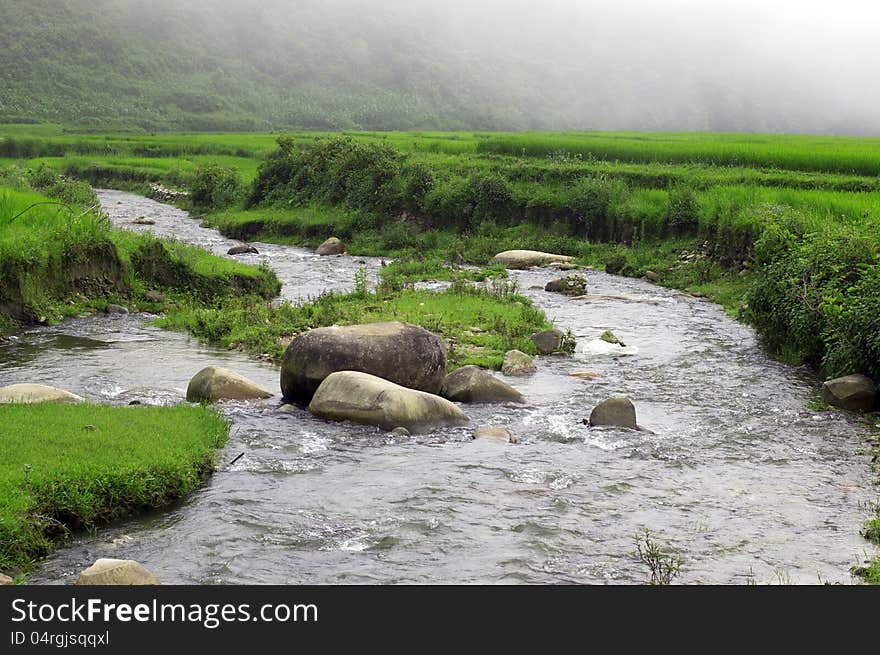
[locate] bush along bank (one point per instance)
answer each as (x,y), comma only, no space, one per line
(69,467)
(60,256)
(800,265)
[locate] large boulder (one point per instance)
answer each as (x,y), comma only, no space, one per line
(331,246)
(405,354)
(519,259)
(856,393)
(107,571)
(573,284)
(27,394)
(471,384)
(218,383)
(549,341)
(517,362)
(364,398)
(618,411)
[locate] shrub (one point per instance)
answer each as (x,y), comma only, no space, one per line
(214,187)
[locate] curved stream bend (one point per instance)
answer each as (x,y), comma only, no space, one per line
(737,474)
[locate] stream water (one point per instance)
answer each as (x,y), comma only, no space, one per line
(736,472)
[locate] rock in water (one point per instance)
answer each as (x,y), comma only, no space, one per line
(331,246)
(405,354)
(364,398)
(243,249)
(27,394)
(115,309)
(116,572)
(497,433)
(856,393)
(608,337)
(471,384)
(520,259)
(548,342)
(570,285)
(218,383)
(517,362)
(651,276)
(618,411)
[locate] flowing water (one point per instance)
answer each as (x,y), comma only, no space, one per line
(735,472)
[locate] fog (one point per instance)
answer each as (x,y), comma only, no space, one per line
(776,65)
(744,65)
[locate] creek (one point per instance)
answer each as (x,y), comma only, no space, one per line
(736,472)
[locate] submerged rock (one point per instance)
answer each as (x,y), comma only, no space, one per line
(549,341)
(364,398)
(520,259)
(570,285)
(471,384)
(856,393)
(28,394)
(405,354)
(331,246)
(108,571)
(496,433)
(618,411)
(143,220)
(218,383)
(517,362)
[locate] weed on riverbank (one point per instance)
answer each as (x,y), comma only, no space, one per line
(66,467)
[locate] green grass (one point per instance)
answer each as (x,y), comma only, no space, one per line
(801,153)
(66,467)
(58,260)
(504,320)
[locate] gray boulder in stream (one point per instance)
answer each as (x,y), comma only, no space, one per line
(404,354)
(218,383)
(851,392)
(471,384)
(516,362)
(618,411)
(364,398)
(331,246)
(244,249)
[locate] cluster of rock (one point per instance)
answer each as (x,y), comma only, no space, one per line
(164,194)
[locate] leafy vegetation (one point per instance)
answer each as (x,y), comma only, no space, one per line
(66,467)
(479,323)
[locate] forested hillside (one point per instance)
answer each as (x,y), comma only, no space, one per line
(414,64)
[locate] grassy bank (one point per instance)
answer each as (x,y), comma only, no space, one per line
(68,467)
(59,256)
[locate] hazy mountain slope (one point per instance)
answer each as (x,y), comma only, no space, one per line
(403,64)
